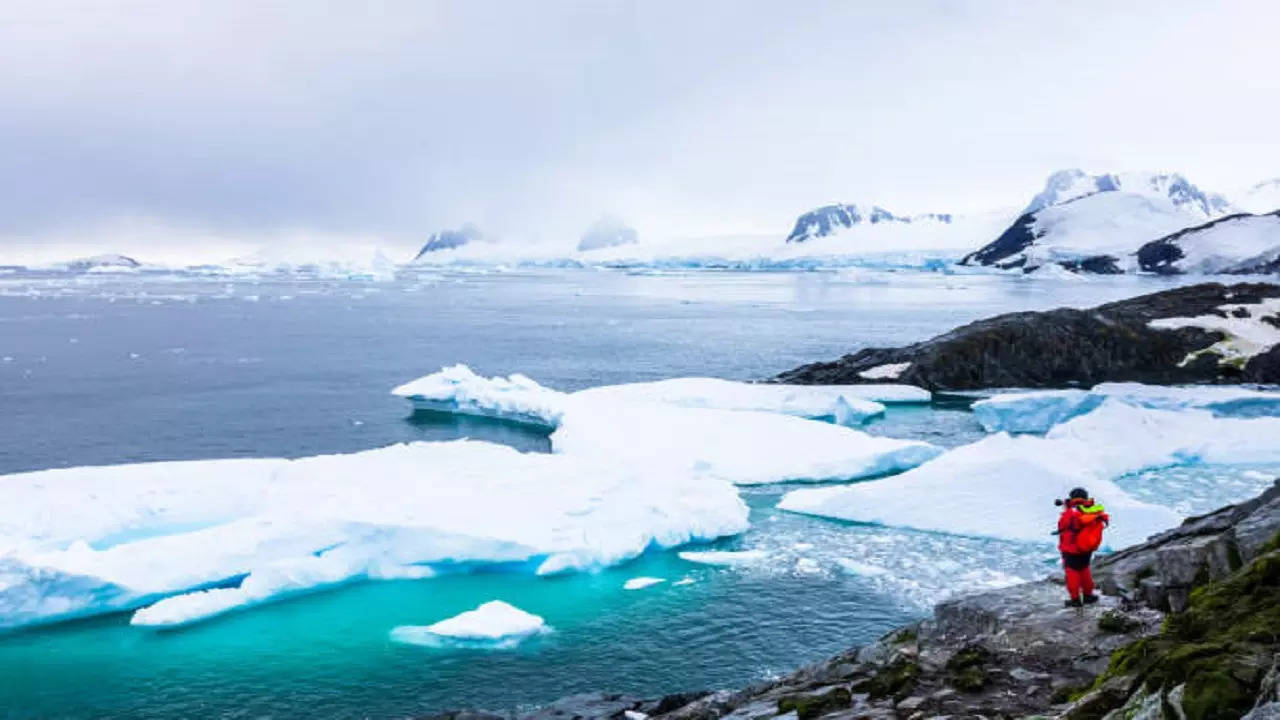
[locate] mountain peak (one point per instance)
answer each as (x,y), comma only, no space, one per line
(830,219)
(1070,184)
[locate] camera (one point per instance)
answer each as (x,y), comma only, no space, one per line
(1059,502)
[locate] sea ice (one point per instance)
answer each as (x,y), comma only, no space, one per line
(1002,486)
(193,539)
(495,624)
(850,404)
(723,557)
(457,389)
(639,583)
(1037,411)
(743,447)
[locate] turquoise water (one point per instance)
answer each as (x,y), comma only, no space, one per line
(102,370)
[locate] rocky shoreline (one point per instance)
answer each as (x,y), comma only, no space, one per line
(1203,333)
(1188,628)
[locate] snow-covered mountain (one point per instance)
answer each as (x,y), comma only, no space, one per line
(831,219)
(1066,185)
(449,239)
(1261,198)
(1237,244)
(607,232)
(1096,223)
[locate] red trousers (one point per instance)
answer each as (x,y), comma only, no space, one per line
(1079,576)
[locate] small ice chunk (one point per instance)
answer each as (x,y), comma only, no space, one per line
(494,623)
(457,389)
(684,581)
(723,557)
(638,583)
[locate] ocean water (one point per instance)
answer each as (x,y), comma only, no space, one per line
(97,370)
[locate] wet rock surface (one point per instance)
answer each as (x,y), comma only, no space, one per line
(1017,652)
(1071,348)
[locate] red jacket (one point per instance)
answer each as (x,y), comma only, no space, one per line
(1080,526)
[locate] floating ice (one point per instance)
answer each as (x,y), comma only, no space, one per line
(743,447)
(848,404)
(724,557)
(1002,486)
(457,389)
(194,539)
(494,624)
(1038,411)
(639,583)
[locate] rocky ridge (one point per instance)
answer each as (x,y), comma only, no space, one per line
(1017,652)
(1115,342)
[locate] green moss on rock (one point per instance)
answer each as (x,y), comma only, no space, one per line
(895,680)
(967,668)
(816,704)
(1220,647)
(1116,622)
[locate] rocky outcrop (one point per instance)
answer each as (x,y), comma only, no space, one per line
(450,239)
(1017,652)
(1067,347)
(1240,244)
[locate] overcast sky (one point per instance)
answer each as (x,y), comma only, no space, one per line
(392,120)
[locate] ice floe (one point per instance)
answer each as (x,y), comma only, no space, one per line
(724,557)
(640,583)
(193,539)
(847,404)
(1002,486)
(457,389)
(1037,411)
(743,447)
(493,624)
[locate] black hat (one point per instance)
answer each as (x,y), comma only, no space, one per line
(1079,494)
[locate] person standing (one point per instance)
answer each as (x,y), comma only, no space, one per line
(1079,534)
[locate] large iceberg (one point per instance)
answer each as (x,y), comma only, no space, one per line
(494,624)
(1037,411)
(741,446)
(457,389)
(187,540)
(1002,486)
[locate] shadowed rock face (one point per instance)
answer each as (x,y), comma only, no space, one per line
(1068,347)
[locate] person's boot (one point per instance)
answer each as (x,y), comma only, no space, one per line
(1073,603)
(1090,599)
